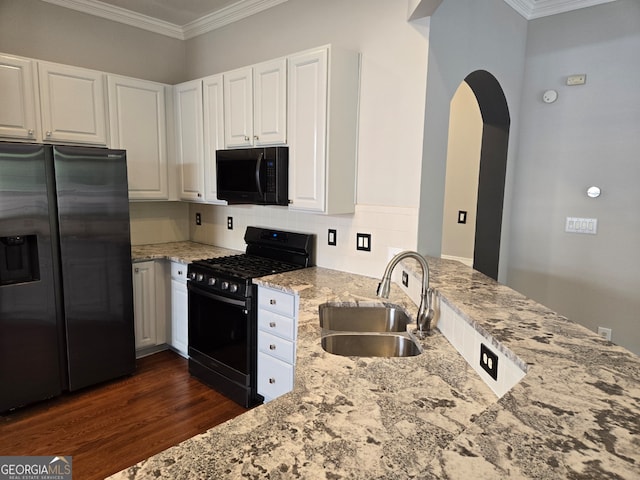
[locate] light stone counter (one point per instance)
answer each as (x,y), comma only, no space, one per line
(574,415)
(183,252)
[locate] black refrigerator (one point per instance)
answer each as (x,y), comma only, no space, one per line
(66,295)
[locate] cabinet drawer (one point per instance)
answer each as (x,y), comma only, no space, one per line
(276,324)
(275,377)
(276,347)
(179,271)
(279,302)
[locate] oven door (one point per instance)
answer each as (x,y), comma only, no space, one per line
(222,344)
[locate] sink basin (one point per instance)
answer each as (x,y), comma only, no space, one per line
(354,318)
(370,345)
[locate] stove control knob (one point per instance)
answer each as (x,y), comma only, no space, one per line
(199,277)
(212,281)
(233,288)
(225,285)
(192,275)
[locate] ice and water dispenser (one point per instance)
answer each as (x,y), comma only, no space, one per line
(19,259)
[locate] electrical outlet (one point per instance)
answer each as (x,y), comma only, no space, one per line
(604,333)
(405,278)
(229,223)
(363,242)
(462,216)
(489,361)
(198,219)
(332,237)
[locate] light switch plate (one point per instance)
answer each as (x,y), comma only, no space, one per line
(581,225)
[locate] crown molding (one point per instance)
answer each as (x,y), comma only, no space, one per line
(225,16)
(531,9)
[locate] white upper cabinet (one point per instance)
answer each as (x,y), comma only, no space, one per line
(212,93)
(270,103)
(323,90)
(255,103)
(72,101)
(19,114)
(137,122)
(189,139)
(238,108)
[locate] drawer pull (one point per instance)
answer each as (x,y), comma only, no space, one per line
(272,347)
(272,324)
(272,301)
(272,380)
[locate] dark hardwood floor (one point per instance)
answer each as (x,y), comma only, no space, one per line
(112,426)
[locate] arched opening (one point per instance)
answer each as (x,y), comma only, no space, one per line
(476,170)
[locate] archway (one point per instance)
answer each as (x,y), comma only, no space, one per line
(491,174)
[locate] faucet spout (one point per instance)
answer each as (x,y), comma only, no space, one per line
(425,311)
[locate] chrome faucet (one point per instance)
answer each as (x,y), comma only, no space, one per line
(425,311)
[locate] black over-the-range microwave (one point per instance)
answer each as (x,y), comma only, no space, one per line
(258,176)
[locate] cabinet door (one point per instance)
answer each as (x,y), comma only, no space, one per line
(238,108)
(213,132)
(189,143)
(19,114)
(73,104)
(179,308)
(144,303)
(138,125)
(307,119)
(270,103)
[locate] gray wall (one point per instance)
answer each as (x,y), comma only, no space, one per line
(589,136)
(40,30)
(465,36)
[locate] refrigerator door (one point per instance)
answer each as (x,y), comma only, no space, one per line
(95,257)
(30,362)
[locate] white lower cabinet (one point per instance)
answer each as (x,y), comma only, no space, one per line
(148,307)
(277,335)
(179,309)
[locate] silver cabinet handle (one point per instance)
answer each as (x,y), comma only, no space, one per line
(272,324)
(48,134)
(179,272)
(272,347)
(272,380)
(137,270)
(30,132)
(246,138)
(199,195)
(272,301)
(256,137)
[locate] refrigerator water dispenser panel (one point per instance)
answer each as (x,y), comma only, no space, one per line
(19,259)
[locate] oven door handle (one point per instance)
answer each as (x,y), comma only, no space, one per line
(193,288)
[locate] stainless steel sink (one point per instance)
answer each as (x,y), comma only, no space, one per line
(356,318)
(370,345)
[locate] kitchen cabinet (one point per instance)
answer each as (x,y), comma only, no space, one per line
(255,100)
(277,335)
(179,309)
(73,104)
(148,307)
(322,116)
(189,139)
(137,121)
(212,101)
(19,115)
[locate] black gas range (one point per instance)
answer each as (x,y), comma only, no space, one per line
(223,313)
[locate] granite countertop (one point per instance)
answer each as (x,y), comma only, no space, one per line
(574,415)
(183,252)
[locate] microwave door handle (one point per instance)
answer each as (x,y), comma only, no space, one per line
(258,168)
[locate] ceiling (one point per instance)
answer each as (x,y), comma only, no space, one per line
(185,19)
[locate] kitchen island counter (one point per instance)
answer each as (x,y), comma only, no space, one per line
(574,414)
